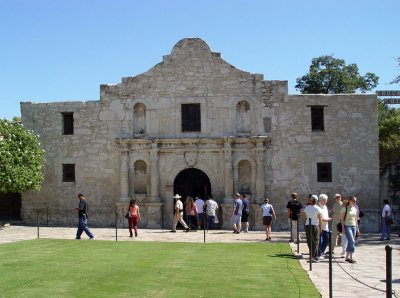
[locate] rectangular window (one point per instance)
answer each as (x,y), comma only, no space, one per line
(317,118)
(68,172)
(68,123)
(324,172)
(191,121)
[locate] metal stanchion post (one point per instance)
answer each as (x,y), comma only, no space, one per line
(291,230)
(116,226)
(162,220)
(204,226)
(298,238)
(37,221)
(330,264)
(388,249)
(311,241)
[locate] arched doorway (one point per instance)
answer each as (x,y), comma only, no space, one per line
(192,182)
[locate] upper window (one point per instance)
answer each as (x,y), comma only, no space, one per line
(68,123)
(317,118)
(68,172)
(191,121)
(324,172)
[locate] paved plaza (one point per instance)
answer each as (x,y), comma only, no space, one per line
(349,280)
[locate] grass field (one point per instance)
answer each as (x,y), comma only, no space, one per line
(70,268)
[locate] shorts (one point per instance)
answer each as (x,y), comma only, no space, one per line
(267,220)
(236,219)
(245,217)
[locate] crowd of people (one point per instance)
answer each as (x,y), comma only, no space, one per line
(342,220)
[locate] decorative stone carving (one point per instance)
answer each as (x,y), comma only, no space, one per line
(191,158)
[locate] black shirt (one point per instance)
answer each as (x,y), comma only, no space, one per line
(295,207)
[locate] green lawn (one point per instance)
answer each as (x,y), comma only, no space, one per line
(70,268)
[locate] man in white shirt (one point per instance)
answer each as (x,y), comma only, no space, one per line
(178,215)
(324,237)
(200,212)
(211,208)
(313,226)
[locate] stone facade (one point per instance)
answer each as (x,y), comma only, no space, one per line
(194,123)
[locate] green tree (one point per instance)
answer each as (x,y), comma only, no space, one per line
(21,158)
(328,75)
(397,79)
(389,134)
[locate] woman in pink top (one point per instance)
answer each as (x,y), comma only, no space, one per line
(134,217)
(191,213)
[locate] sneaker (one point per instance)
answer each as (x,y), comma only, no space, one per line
(91,238)
(320,258)
(187,230)
(352,261)
(172,231)
(135,234)
(315,261)
(269,238)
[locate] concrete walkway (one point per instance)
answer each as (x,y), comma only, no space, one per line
(349,280)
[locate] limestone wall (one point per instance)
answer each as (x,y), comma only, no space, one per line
(90,148)
(349,142)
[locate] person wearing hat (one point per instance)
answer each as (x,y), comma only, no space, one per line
(335,214)
(268,213)
(313,225)
(178,214)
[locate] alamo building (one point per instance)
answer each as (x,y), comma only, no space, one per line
(195,125)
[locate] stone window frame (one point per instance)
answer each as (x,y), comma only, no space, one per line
(68,123)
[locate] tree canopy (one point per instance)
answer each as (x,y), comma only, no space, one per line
(397,79)
(328,75)
(21,158)
(389,134)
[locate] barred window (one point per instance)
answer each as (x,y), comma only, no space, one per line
(324,172)
(191,121)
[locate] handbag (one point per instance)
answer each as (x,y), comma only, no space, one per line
(389,221)
(127,215)
(339,225)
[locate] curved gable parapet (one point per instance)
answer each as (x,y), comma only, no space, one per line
(191,47)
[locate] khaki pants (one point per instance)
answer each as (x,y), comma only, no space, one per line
(178,217)
(335,233)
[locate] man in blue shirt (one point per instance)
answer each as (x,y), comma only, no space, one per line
(237,214)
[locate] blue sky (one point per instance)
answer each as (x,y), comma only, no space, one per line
(61,50)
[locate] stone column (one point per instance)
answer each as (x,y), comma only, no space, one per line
(228,171)
(154,176)
(124,176)
(236,179)
(260,178)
